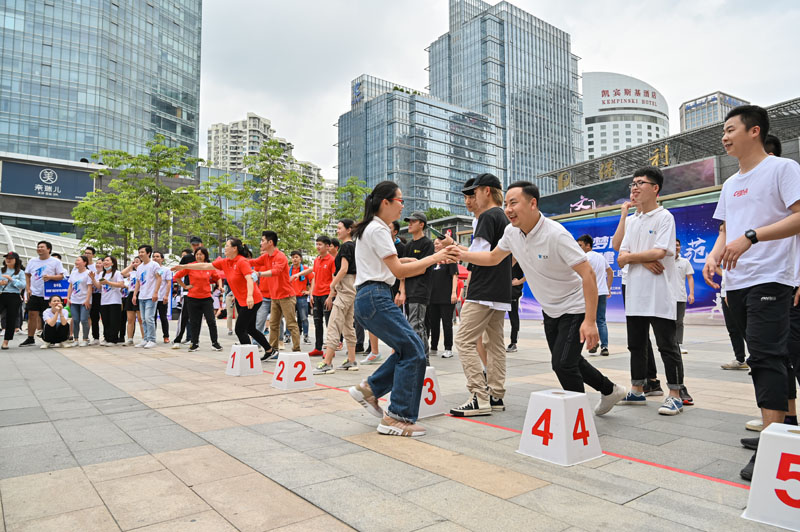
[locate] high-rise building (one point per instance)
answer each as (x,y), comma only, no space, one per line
(708,109)
(229,144)
(519,70)
(620,112)
(427,146)
(79,77)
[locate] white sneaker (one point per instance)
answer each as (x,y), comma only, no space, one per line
(756,425)
(45,346)
(447,354)
(72,344)
(175,346)
(59,345)
(83,344)
(104,343)
(607,402)
(94,342)
(682,349)
(141,344)
(150,345)
(129,342)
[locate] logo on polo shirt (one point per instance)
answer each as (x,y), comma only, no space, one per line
(740,193)
(769,298)
(543,257)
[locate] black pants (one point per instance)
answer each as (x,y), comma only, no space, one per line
(359,332)
(652,369)
(161,312)
(183,323)
(246,326)
(762,312)
(111,322)
(123,320)
(736,336)
(55,334)
(664,331)
(94,315)
(319,312)
(564,340)
(9,303)
(440,313)
(197,309)
(513,317)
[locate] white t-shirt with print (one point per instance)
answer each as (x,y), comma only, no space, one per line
(38,268)
(166,280)
(146,275)
(109,294)
(80,286)
(683,268)
(48,313)
(374,245)
(648,294)
(599,265)
(547,255)
(755,199)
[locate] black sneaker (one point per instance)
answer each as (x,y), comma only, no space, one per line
(28,341)
(604,352)
(193,348)
(216,347)
(473,407)
(653,388)
(512,348)
(747,472)
(593,350)
(268,354)
(685,397)
(497,404)
(750,443)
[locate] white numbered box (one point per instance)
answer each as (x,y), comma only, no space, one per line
(559,428)
(775,489)
(293,372)
(430,404)
(244,360)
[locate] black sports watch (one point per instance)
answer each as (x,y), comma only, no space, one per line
(751,236)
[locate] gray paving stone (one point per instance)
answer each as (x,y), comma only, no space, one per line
(32,459)
(19,389)
(339,449)
(13,403)
(31,434)
(291,468)
(90,433)
(239,441)
(445,526)
(658,454)
(591,513)
(139,420)
(306,439)
(22,416)
(477,510)
(123,404)
(725,469)
(710,449)
(109,453)
(377,511)
(57,393)
(336,425)
(74,414)
(166,438)
(62,404)
(384,472)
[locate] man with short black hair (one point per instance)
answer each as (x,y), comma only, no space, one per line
(146,294)
(164,292)
(418,288)
(94,311)
(320,289)
(37,272)
(196,242)
(605,276)
(760,210)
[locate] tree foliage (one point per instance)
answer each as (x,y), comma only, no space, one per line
(434,213)
(350,199)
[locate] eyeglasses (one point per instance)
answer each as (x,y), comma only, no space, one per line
(401,200)
(637,184)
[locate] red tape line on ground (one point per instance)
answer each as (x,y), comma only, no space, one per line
(615,455)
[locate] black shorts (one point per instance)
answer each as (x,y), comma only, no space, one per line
(37,304)
(129,305)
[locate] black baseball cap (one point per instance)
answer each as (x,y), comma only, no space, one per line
(195,240)
(483,180)
(417,215)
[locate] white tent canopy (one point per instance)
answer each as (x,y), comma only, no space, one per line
(24,242)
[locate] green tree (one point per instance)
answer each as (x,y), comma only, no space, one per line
(350,199)
(434,213)
(212,219)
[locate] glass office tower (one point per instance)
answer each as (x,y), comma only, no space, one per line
(428,147)
(509,65)
(78,77)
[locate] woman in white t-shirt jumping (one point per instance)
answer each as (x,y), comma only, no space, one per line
(377,266)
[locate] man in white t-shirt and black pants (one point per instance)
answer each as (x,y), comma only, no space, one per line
(760,208)
(604,276)
(37,272)
(684,271)
(562,281)
(648,249)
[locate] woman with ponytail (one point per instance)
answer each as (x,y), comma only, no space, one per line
(377,267)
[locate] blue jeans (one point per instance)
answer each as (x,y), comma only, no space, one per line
(148,309)
(80,319)
(403,372)
(602,328)
(302,313)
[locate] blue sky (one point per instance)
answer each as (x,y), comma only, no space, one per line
(292,60)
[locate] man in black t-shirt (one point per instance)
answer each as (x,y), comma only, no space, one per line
(418,288)
(488,299)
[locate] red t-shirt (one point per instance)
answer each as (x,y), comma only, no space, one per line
(280,286)
(262,264)
(302,283)
(323,272)
(236,270)
(201,282)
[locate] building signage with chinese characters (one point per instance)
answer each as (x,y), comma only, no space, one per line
(41,181)
(634,96)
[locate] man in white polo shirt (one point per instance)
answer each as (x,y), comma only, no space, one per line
(564,284)
(650,300)
(605,276)
(760,208)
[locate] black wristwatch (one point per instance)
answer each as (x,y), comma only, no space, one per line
(751,236)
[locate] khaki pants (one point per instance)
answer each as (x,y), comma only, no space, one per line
(341,323)
(475,319)
(284,308)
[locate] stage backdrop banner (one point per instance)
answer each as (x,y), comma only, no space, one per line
(697,232)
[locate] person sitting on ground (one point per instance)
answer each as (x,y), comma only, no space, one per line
(56,324)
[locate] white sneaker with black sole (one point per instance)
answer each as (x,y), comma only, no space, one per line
(473,407)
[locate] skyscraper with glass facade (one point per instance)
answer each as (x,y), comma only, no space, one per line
(517,69)
(78,77)
(427,146)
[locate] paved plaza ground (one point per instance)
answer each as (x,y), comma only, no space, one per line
(95,439)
